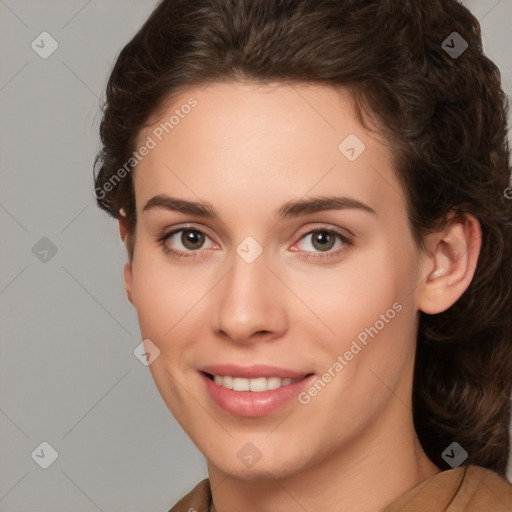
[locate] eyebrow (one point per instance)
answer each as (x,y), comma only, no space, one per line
(292,208)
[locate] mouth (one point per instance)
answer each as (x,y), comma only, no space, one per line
(257,384)
(253,392)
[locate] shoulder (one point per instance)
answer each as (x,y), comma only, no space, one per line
(483,488)
(467,488)
(197,500)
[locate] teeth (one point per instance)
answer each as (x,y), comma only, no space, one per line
(241,384)
(274,382)
(257,384)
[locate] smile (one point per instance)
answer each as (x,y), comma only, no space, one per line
(257,384)
(253,395)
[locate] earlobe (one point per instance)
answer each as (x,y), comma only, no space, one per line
(450,264)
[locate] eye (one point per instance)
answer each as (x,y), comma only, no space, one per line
(323,240)
(187,242)
(186,239)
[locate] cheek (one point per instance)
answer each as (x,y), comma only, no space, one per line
(352,296)
(169,297)
(158,298)
(380,318)
(370,312)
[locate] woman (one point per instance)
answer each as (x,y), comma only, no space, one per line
(313,198)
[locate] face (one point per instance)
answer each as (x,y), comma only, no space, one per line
(266,277)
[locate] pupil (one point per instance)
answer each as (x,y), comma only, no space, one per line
(192,238)
(322,238)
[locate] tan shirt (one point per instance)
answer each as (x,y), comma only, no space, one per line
(464,489)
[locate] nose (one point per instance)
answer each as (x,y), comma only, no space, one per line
(250,302)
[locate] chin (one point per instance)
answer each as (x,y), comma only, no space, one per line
(261,470)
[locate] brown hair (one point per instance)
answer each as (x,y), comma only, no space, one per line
(443,114)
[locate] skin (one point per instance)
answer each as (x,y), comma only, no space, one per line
(248,148)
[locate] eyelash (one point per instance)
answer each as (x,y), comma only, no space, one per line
(194,254)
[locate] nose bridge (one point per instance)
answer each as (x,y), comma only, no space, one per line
(248,300)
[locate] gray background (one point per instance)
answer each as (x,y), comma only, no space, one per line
(68,375)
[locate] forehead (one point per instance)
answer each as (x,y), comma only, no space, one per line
(248,141)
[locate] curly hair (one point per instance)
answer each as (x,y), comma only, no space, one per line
(445,117)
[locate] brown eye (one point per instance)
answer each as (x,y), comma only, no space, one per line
(192,239)
(185,241)
(323,243)
(323,240)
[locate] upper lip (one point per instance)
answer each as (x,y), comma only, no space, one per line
(251,372)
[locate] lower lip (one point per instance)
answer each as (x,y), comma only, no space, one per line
(253,403)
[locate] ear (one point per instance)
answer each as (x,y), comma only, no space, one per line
(449,263)
(128,281)
(127,271)
(123,224)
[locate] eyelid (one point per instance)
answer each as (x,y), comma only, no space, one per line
(344,232)
(167,232)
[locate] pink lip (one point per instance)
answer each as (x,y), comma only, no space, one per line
(253,403)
